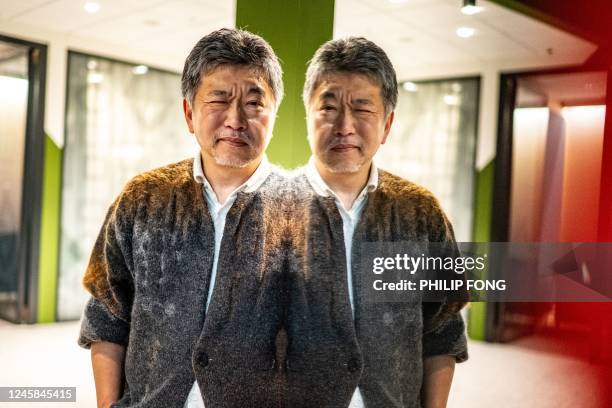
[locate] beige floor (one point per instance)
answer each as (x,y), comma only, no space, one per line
(498,376)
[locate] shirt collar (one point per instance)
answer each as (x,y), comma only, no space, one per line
(321,188)
(252,184)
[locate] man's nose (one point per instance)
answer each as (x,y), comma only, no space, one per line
(236,117)
(345,123)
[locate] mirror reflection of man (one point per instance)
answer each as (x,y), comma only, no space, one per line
(184,308)
(343,351)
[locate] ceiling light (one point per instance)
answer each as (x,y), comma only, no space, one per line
(466,32)
(451,100)
(470,8)
(92,64)
(140,70)
(91,7)
(409,86)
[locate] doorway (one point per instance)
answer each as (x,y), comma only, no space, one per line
(548,186)
(22,78)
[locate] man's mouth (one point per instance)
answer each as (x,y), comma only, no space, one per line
(234,141)
(343,147)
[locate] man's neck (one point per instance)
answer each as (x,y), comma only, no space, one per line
(347,186)
(224,179)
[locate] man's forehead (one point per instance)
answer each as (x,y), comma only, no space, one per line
(231,75)
(357,84)
(222,88)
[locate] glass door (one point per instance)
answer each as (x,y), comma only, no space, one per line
(21,141)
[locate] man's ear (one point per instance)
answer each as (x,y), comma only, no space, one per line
(188,115)
(388,123)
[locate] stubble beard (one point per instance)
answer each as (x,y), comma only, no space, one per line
(233,161)
(229,161)
(348,167)
(344,166)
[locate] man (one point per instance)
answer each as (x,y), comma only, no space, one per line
(342,350)
(184,274)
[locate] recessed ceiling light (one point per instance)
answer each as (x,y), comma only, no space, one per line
(451,100)
(92,64)
(466,32)
(409,86)
(91,7)
(140,70)
(470,10)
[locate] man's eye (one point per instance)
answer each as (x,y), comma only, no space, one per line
(255,103)
(328,108)
(218,102)
(363,111)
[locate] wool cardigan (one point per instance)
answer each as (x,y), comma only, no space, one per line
(382,348)
(148,276)
(279,330)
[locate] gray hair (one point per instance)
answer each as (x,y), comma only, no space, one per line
(231,47)
(353,55)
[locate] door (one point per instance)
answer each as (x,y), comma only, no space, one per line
(21,154)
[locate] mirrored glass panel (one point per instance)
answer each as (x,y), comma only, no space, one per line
(432,143)
(13,114)
(122,119)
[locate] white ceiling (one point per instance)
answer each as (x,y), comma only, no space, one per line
(166,28)
(419,35)
(562,89)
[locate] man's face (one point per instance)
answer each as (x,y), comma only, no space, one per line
(346,122)
(232,116)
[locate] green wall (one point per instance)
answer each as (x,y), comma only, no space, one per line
(482,233)
(295,29)
(49,233)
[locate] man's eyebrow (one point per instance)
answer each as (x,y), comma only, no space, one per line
(328,95)
(362,101)
(256,90)
(218,92)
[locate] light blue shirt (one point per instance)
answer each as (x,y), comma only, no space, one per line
(218,213)
(350,219)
